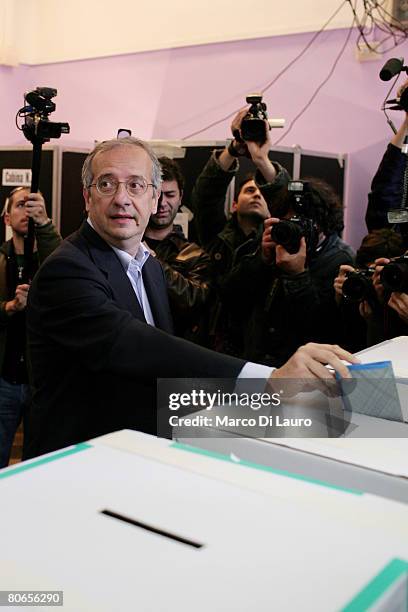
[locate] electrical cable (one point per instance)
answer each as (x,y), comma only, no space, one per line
(289,65)
(375,18)
(322,84)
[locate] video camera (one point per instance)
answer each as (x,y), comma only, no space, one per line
(289,232)
(358,285)
(39,105)
(394,275)
(38,129)
(253,126)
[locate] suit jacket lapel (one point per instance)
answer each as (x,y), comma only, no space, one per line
(107,261)
(157,294)
(122,287)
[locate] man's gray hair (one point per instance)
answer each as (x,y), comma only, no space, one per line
(108,145)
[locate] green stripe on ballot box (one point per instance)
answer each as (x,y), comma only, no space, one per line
(263,468)
(29,465)
(378,586)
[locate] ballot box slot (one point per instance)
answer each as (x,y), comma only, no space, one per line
(156,530)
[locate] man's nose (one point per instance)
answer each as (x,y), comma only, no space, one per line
(122,197)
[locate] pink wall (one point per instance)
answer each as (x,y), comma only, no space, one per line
(169,94)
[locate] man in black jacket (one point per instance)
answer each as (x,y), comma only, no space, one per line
(222,236)
(228,239)
(99,321)
(389,187)
(185,264)
(287,298)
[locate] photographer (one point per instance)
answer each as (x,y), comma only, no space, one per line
(186,266)
(387,187)
(391,287)
(355,294)
(227,240)
(288,295)
(14,388)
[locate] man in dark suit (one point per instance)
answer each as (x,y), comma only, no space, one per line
(98,317)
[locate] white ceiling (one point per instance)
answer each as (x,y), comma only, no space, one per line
(46,31)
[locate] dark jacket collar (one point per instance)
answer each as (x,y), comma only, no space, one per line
(7,248)
(108,262)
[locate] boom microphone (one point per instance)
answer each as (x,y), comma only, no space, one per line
(391,68)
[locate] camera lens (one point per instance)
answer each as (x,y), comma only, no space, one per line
(356,287)
(288,235)
(394,276)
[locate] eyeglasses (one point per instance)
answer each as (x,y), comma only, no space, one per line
(108,185)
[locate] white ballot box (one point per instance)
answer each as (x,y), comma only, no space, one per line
(371,454)
(132,522)
(396,351)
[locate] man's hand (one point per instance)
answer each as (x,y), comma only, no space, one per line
(291,263)
(20,300)
(259,152)
(377,284)
(271,252)
(35,207)
(399,302)
(365,310)
(236,131)
(260,156)
(310,360)
(344,270)
(268,245)
(236,148)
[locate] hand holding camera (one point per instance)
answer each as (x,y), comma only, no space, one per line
(358,285)
(391,275)
(377,282)
(340,279)
(394,278)
(238,148)
(289,262)
(399,302)
(250,129)
(299,223)
(394,275)
(268,245)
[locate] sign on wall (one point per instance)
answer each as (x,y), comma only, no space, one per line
(16,177)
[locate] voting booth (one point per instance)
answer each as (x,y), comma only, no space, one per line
(60,178)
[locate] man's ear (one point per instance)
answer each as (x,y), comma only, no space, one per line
(87,196)
(156,195)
